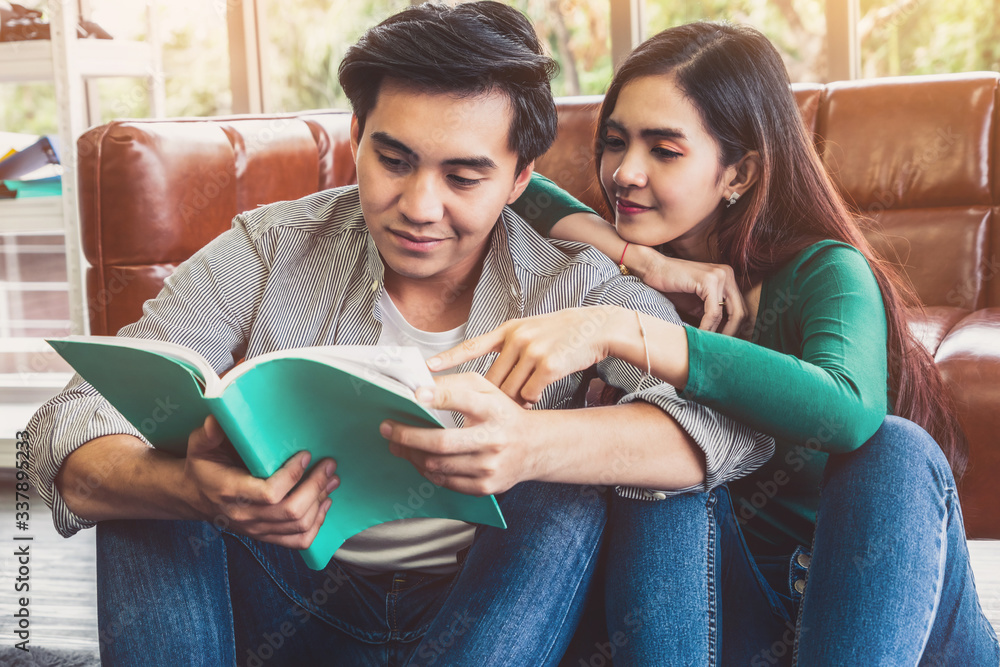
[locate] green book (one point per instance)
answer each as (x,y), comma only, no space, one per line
(39,187)
(328,400)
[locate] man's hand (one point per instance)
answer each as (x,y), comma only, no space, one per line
(490,454)
(283,509)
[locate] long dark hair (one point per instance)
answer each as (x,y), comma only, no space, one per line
(737,81)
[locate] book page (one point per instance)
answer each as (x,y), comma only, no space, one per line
(401,369)
(403,364)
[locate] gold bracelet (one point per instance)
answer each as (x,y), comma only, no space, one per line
(645,348)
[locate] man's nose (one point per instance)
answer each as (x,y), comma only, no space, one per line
(421,201)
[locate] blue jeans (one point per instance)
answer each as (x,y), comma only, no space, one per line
(183,593)
(886,581)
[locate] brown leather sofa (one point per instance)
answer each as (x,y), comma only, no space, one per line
(920,156)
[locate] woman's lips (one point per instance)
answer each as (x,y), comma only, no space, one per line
(629,207)
(416,243)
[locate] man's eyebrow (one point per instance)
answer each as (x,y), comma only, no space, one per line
(387,141)
(481,163)
(653,132)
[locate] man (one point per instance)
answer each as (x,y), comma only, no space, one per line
(452,106)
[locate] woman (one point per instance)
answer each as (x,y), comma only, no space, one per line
(848,546)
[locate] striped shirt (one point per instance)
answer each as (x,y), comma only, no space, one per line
(307,272)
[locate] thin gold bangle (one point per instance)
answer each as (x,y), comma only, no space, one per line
(645,348)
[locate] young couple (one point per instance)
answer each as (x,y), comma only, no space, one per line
(700,153)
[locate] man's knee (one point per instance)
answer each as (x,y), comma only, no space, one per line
(180,539)
(546,506)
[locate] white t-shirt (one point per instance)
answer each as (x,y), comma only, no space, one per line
(429,545)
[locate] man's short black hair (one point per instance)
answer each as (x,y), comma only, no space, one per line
(471,49)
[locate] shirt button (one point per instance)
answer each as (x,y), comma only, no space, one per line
(804,560)
(800,585)
(658,495)
(374,285)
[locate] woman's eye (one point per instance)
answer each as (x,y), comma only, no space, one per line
(613,143)
(392,163)
(660,151)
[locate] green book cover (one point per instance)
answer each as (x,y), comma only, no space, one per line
(328,400)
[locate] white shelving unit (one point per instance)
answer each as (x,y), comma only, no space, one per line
(69,64)
(31,215)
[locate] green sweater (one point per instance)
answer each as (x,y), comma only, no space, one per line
(543,204)
(813,375)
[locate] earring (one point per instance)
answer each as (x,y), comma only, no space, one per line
(732,199)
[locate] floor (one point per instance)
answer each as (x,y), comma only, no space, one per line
(63,594)
(63,590)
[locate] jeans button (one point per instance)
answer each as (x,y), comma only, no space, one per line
(800,585)
(804,560)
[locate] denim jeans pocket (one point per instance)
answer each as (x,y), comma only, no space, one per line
(771,573)
(767,574)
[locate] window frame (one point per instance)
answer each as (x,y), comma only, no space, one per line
(250,83)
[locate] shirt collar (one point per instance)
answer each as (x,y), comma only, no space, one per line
(498,295)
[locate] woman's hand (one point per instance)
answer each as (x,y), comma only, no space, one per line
(493,450)
(696,288)
(710,284)
(279,509)
(537,351)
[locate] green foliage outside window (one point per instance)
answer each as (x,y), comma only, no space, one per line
(796,27)
(303,40)
(908,37)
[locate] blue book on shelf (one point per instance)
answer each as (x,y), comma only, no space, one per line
(43,152)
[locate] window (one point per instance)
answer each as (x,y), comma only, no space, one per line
(303,43)
(578,37)
(796,27)
(194,50)
(304,40)
(908,37)
(301,51)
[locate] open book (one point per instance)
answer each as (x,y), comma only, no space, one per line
(328,400)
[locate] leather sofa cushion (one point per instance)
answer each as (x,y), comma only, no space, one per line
(969,360)
(940,251)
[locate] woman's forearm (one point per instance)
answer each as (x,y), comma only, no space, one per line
(592,229)
(598,232)
(664,342)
